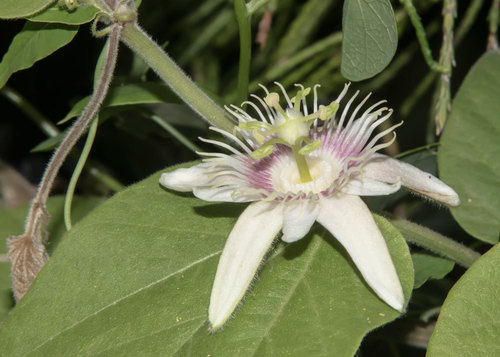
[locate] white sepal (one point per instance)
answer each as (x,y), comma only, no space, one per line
(299,216)
(383,168)
(364,186)
(352,224)
(185,179)
(243,253)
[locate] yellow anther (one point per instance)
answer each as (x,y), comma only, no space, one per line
(272,99)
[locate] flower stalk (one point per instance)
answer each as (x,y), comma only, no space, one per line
(135,38)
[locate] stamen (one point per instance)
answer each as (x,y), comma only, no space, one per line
(285,94)
(257,110)
(264,105)
(315,100)
(232,137)
(221,144)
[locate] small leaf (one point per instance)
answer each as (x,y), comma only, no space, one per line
(35,42)
(469,321)
(135,276)
(56,14)
(430,267)
(470,148)
(370,38)
(12,9)
(50,143)
(139,93)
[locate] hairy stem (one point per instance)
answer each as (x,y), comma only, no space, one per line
(134,37)
(243,19)
(37,211)
(437,243)
(421,36)
(51,130)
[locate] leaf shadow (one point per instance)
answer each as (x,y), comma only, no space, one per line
(218,210)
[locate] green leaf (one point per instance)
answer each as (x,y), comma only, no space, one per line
(12,9)
(429,267)
(35,42)
(12,223)
(50,143)
(470,148)
(56,14)
(134,278)
(130,94)
(469,321)
(370,38)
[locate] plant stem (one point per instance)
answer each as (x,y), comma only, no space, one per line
(289,63)
(51,130)
(446,60)
(493,18)
(134,37)
(421,36)
(27,253)
(174,132)
(437,243)
(77,171)
(243,19)
(31,112)
(37,211)
(467,20)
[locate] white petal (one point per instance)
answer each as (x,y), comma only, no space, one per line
(352,224)
(386,169)
(185,179)
(245,248)
(365,186)
(299,216)
(219,194)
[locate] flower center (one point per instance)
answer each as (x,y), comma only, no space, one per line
(291,128)
(324,170)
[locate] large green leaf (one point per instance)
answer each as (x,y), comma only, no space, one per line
(134,278)
(11,9)
(470,149)
(56,14)
(12,223)
(370,38)
(469,321)
(34,42)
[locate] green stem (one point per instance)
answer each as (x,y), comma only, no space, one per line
(437,243)
(412,151)
(31,112)
(447,60)
(421,36)
(243,19)
(167,69)
(175,133)
(77,171)
(426,82)
(493,18)
(468,20)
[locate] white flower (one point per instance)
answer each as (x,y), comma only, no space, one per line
(298,168)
